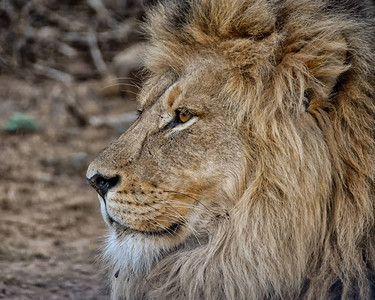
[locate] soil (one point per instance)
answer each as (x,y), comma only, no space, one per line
(51,230)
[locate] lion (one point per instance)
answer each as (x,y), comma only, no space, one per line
(249,173)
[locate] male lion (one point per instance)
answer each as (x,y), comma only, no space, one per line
(249,173)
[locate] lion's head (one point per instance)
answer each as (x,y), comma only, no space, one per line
(249,172)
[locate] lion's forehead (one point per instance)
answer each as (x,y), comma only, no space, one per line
(199,83)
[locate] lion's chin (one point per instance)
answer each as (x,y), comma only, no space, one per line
(132,252)
(137,251)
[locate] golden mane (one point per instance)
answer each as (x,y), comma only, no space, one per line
(285,59)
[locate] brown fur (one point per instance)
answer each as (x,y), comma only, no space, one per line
(272,178)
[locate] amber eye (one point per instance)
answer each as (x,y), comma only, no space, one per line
(184,117)
(180,118)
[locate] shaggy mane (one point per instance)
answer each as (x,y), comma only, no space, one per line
(284,59)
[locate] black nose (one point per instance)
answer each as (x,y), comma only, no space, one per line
(103,184)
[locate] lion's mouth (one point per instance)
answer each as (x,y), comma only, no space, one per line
(171,230)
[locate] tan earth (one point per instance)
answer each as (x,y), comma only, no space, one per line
(50,224)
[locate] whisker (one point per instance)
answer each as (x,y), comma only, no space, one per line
(120,78)
(153,221)
(125,78)
(121,81)
(120,84)
(183,204)
(186,223)
(157,224)
(178,218)
(129,92)
(184,194)
(175,215)
(164,228)
(187,205)
(164,201)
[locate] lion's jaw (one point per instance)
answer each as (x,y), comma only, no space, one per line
(172,183)
(135,252)
(128,251)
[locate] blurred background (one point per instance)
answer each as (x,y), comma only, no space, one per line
(69,72)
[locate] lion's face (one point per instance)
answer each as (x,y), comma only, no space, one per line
(174,167)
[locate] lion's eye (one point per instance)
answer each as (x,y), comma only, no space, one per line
(184,117)
(180,118)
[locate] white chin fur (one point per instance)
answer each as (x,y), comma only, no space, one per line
(133,252)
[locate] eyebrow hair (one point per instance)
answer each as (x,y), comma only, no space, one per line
(176,91)
(150,102)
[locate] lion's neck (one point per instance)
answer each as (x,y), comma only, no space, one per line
(229,267)
(219,269)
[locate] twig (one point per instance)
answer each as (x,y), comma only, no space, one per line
(50,35)
(38,39)
(8,7)
(122,33)
(102,12)
(66,50)
(71,25)
(53,73)
(96,54)
(75,110)
(71,103)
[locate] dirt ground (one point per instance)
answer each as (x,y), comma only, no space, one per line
(51,229)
